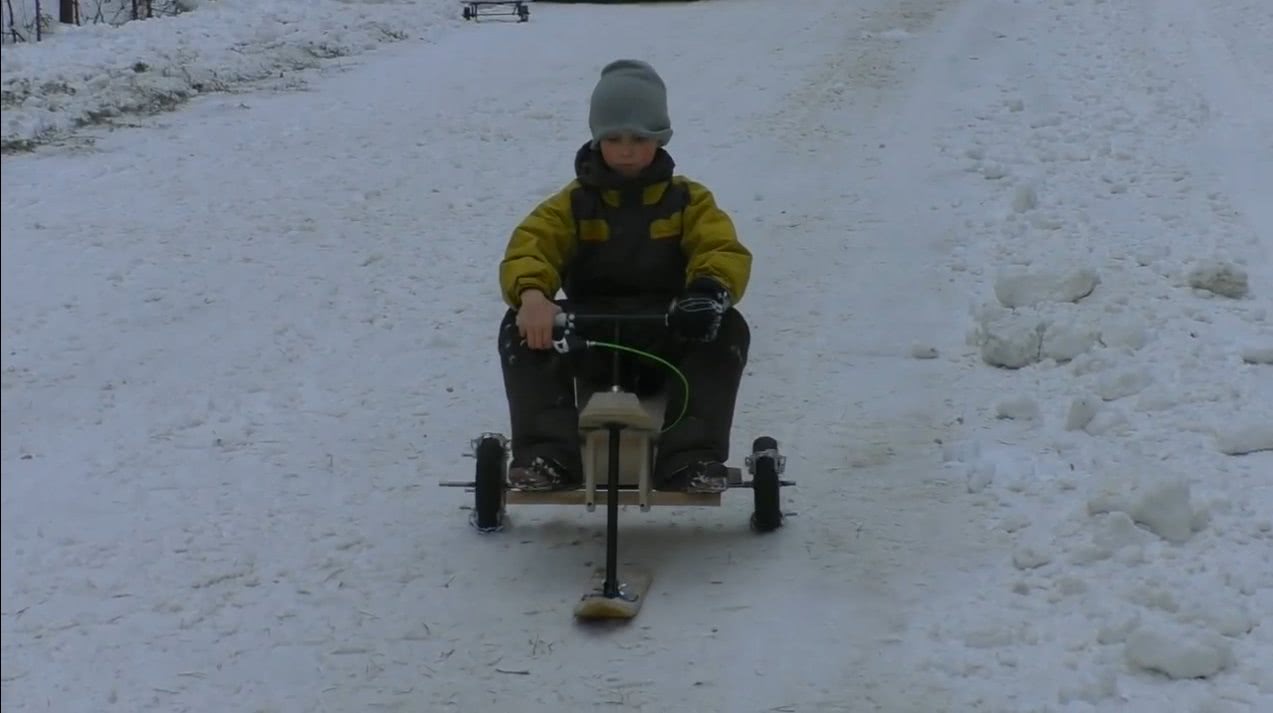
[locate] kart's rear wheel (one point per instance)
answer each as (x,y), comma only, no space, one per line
(488,486)
(765,485)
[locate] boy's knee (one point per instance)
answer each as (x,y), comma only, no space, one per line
(511,346)
(734,328)
(735,334)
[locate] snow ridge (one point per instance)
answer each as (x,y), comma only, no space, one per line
(99,73)
(1130,458)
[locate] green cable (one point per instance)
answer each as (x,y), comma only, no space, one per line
(685,384)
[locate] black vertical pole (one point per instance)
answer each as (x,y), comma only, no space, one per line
(611,588)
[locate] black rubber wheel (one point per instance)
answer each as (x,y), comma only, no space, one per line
(765,487)
(488,486)
(764,443)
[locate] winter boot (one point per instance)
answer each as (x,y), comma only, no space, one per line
(699,477)
(541,474)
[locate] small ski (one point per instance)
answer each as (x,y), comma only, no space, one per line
(634,585)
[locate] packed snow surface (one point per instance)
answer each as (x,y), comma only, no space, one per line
(1012,321)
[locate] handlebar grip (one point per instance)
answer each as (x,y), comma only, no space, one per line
(570,319)
(565,341)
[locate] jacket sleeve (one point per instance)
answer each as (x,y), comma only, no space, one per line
(538,249)
(711,244)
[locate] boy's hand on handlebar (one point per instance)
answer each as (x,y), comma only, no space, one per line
(535,319)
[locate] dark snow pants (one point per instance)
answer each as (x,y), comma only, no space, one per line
(544,419)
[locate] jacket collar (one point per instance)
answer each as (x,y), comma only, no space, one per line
(593,172)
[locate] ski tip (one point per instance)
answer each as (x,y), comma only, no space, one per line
(595,605)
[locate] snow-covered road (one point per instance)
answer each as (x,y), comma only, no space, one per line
(238,363)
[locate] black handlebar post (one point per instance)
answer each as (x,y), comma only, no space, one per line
(566,340)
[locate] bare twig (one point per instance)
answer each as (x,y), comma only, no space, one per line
(13,23)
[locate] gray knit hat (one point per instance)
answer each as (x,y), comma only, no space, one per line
(630,96)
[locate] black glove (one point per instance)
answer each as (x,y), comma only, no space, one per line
(696,314)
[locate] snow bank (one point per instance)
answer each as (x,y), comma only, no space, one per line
(1127,459)
(92,73)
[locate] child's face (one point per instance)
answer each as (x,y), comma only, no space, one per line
(627,154)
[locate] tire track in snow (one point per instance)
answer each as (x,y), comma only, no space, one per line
(863,270)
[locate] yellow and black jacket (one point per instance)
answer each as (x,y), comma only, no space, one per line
(603,237)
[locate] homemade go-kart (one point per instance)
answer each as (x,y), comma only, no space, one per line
(620,440)
(477,9)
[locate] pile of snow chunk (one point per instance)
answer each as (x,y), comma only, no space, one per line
(1026,288)
(1133,573)
(1161,502)
(1257,353)
(1245,438)
(1034,319)
(1179,652)
(1221,278)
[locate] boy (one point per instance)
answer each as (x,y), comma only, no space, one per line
(625,235)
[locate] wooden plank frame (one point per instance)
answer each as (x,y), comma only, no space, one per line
(638,446)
